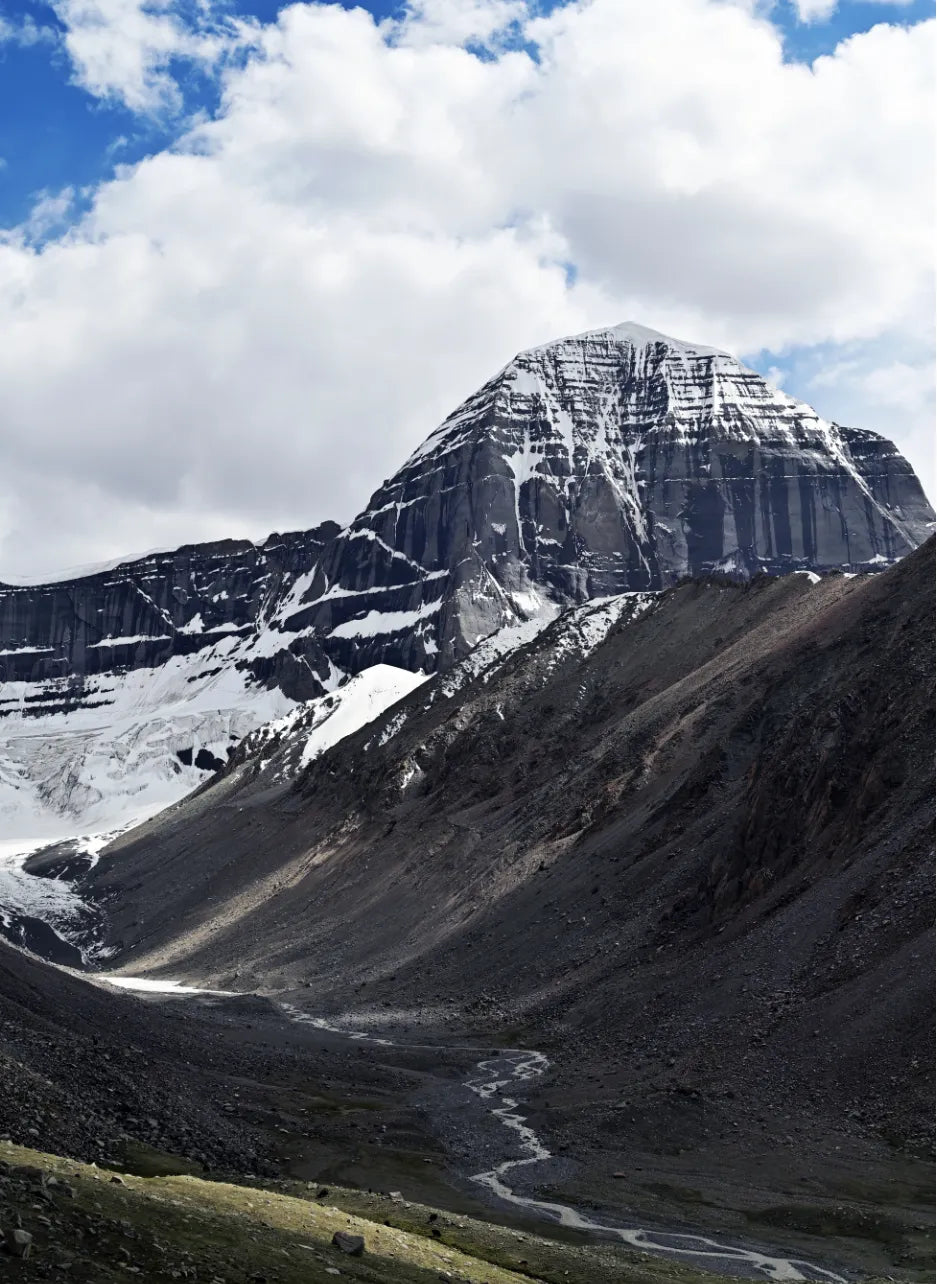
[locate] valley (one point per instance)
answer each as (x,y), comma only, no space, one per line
(544,859)
(399,1128)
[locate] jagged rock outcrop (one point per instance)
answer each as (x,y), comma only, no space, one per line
(614,461)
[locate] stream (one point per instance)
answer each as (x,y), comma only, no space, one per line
(515,1067)
(41,903)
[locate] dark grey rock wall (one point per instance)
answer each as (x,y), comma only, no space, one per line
(616,461)
(142,612)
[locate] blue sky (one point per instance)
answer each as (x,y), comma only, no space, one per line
(253,257)
(808,40)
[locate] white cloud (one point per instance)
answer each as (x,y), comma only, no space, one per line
(822,10)
(50,212)
(125,49)
(475,22)
(25,31)
(815,10)
(250,330)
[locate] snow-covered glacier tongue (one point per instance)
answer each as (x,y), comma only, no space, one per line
(615,461)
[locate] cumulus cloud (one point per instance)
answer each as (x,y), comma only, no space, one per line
(252,328)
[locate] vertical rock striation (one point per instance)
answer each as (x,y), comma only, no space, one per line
(614,461)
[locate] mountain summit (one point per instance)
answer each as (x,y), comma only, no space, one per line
(611,462)
(617,460)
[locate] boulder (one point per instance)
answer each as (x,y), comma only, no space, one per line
(18,1242)
(353,1245)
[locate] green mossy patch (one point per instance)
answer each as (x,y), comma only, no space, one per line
(97,1226)
(141,1160)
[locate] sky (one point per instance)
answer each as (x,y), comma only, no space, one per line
(251,255)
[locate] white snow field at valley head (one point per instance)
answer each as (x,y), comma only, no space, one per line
(143,985)
(114,755)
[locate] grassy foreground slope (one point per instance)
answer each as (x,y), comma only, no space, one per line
(91,1224)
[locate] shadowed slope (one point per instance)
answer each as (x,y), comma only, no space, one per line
(719,821)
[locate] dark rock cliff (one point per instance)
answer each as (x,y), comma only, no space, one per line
(141,612)
(615,461)
(612,462)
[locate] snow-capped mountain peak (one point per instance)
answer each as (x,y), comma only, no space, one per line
(607,463)
(636,336)
(612,461)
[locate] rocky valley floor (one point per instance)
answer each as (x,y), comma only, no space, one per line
(237,1089)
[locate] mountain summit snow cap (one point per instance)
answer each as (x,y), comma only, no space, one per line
(636,336)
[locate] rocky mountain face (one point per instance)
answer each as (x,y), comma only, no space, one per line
(140,613)
(613,462)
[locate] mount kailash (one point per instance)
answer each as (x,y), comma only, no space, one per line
(614,462)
